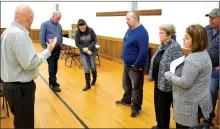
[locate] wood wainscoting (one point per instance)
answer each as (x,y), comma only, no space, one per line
(34,34)
(110,47)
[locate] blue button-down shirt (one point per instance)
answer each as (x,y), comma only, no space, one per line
(213,49)
(49,30)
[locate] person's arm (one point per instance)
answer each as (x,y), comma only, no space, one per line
(93,38)
(77,41)
(61,34)
(214,56)
(43,36)
(217,68)
(189,73)
(26,53)
(176,52)
(143,47)
(213,49)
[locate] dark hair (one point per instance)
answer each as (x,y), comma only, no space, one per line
(82,22)
(199,37)
(173,36)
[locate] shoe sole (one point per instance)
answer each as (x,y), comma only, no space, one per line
(123,104)
(135,115)
(54,89)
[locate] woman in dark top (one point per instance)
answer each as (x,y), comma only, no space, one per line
(168,51)
(85,39)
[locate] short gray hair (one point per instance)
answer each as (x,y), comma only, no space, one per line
(56,13)
(170,29)
(136,15)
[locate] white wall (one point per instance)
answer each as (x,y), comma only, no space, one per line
(181,14)
(42,11)
(106,26)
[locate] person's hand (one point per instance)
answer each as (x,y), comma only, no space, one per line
(89,52)
(136,68)
(218,67)
(85,49)
(52,43)
(168,75)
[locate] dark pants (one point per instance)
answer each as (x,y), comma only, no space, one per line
(132,82)
(53,65)
(162,103)
(21,99)
(178,126)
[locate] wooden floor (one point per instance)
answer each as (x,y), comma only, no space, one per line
(95,108)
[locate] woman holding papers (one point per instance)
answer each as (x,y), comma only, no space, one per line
(85,39)
(191,80)
(168,50)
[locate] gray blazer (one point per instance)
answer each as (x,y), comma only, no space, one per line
(172,51)
(191,84)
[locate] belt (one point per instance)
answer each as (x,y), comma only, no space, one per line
(20,82)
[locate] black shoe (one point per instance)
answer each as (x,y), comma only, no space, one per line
(154,127)
(93,82)
(57,84)
(135,113)
(88,86)
(207,122)
(55,87)
(94,77)
(122,103)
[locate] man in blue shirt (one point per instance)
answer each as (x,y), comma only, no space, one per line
(135,56)
(48,30)
(213,50)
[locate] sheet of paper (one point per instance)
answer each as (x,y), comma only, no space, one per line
(176,63)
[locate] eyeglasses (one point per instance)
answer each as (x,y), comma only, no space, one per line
(161,33)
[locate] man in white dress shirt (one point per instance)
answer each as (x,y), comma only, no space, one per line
(19,66)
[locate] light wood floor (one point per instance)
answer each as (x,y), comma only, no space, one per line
(96,107)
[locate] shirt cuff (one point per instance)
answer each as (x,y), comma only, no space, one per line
(45,54)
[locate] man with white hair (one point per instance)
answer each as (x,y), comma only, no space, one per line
(49,29)
(19,66)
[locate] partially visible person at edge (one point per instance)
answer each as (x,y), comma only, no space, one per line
(213,50)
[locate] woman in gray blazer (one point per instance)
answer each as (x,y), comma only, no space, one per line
(191,81)
(168,51)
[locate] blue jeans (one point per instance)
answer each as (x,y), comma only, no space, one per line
(214,89)
(88,61)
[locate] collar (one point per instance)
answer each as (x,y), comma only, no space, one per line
(15,24)
(164,46)
(211,29)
